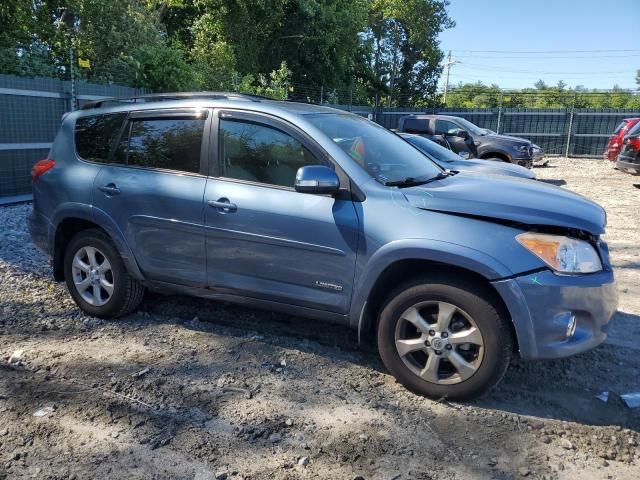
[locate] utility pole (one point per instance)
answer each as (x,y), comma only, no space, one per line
(446,84)
(74,99)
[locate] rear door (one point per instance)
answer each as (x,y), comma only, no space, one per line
(264,239)
(153,189)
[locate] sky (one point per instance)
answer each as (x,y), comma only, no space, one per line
(593,43)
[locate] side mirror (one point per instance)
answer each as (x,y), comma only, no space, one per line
(317,179)
(462,134)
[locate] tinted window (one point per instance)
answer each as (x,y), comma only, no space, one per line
(168,143)
(472,128)
(444,127)
(258,153)
(416,125)
(95,135)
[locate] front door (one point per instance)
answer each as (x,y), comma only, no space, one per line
(450,131)
(264,239)
(153,189)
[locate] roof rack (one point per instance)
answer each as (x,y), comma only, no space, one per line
(164,97)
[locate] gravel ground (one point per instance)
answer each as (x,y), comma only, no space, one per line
(189,388)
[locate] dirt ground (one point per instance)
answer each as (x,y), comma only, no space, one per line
(194,389)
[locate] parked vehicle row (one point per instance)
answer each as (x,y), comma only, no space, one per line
(462,136)
(326,216)
(448,160)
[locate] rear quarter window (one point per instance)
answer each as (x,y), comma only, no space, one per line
(415,125)
(95,135)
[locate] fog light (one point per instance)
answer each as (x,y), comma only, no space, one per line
(571,326)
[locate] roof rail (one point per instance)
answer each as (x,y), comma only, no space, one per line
(163,97)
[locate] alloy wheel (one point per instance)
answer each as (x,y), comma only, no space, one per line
(439,342)
(92,276)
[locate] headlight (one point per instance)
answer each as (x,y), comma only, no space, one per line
(521,148)
(562,254)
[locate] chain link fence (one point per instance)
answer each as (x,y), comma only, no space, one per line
(31,110)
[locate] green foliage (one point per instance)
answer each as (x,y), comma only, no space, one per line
(479,95)
(400,50)
(156,67)
(275,85)
(370,48)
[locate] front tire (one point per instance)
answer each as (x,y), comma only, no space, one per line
(444,337)
(97,278)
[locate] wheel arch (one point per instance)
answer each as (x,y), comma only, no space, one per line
(70,220)
(401,270)
(496,154)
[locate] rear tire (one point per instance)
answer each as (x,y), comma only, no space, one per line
(97,278)
(443,337)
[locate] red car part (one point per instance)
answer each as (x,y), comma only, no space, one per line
(615,141)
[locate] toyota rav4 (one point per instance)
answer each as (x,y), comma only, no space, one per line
(324,215)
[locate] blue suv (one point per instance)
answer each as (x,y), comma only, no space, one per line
(324,215)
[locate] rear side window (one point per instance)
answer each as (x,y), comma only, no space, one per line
(95,135)
(167,143)
(416,125)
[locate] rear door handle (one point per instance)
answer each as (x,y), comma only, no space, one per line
(223,205)
(110,189)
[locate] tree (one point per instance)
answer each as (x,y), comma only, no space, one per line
(638,77)
(367,48)
(402,50)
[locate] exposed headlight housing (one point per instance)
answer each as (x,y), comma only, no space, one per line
(521,148)
(562,254)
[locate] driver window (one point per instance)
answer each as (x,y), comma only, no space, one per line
(444,127)
(257,153)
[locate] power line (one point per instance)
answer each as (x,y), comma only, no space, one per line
(549,51)
(547,57)
(498,69)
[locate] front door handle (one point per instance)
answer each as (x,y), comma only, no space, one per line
(110,189)
(223,205)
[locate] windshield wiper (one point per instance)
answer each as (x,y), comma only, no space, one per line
(415,181)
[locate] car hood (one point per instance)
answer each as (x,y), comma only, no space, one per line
(511,199)
(506,138)
(488,167)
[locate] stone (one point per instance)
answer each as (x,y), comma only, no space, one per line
(566,444)
(524,471)
(303,461)
(275,438)
(16,356)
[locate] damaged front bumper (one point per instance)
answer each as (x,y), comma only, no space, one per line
(559,315)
